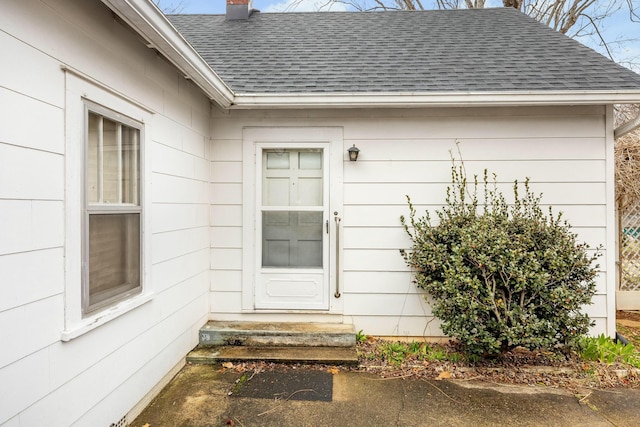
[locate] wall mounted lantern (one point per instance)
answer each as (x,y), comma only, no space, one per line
(353,153)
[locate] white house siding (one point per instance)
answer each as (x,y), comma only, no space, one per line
(96,378)
(407,151)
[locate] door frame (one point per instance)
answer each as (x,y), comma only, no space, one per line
(254,139)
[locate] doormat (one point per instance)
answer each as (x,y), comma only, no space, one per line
(288,385)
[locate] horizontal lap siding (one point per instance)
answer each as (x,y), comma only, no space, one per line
(408,152)
(226,225)
(31,222)
(562,154)
(98,377)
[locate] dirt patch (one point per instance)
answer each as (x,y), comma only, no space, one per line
(628,325)
(197,392)
(519,366)
(628,315)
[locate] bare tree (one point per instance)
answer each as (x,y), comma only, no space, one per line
(627,158)
(169,7)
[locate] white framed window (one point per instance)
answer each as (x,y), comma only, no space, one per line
(112,230)
(106,212)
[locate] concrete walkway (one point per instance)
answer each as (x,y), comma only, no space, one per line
(206,395)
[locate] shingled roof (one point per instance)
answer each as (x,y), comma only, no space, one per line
(477,50)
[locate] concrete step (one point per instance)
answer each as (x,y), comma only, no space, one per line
(323,355)
(257,334)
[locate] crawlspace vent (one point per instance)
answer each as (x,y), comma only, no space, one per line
(121,423)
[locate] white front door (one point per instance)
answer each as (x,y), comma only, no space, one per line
(294,227)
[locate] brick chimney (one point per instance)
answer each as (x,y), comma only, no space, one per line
(239,9)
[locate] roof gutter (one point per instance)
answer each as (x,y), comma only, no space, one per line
(627,127)
(435,99)
(146,19)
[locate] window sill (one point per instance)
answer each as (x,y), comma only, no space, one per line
(92,322)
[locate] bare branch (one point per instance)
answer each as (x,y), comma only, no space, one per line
(604,43)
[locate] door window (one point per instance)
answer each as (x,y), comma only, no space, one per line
(292,208)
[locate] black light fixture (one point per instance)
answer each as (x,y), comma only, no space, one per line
(353,153)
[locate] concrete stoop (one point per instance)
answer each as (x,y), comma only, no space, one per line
(327,343)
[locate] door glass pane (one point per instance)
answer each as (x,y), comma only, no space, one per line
(292,178)
(114,255)
(277,160)
(309,191)
(276,191)
(310,160)
(291,239)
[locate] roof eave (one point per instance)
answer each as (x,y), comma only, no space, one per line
(435,99)
(148,21)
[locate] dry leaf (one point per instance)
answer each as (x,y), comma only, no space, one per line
(227,365)
(147,425)
(444,375)
(333,370)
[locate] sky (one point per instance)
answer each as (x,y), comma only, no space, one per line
(616,27)
(219,6)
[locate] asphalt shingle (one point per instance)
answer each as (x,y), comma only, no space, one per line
(476,50)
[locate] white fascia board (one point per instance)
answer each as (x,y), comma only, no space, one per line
(146,19)
(627,127)
(441,99)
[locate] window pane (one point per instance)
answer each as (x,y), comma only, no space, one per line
(110,162)
(94,130)
(114,255)
(292,239)
(130,165)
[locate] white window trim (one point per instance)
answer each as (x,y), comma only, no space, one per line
(81,92)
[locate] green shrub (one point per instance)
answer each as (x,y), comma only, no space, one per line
(501,275)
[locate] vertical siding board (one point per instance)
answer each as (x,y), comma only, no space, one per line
(611,240)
